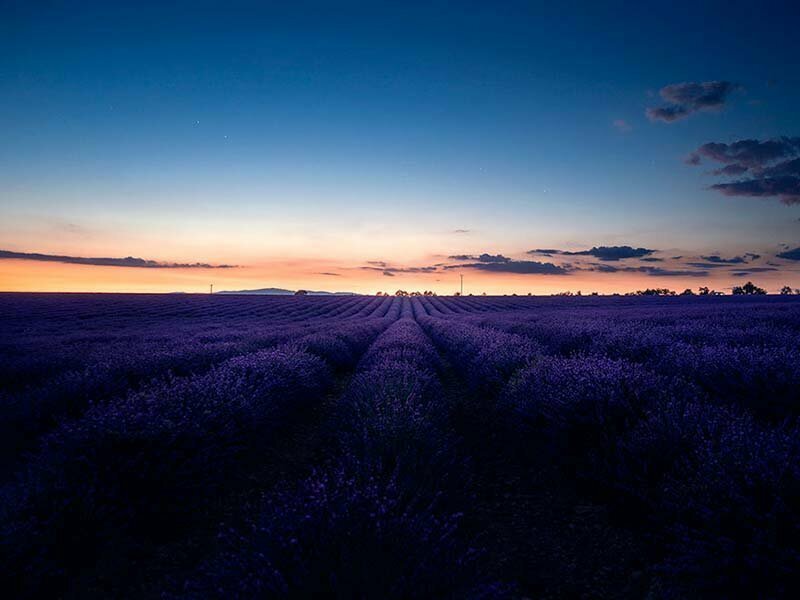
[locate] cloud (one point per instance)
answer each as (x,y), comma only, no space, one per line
(622,125)
(668,114)
(128,261)
(330,274)
(612,253)
(659,272)
(715,258)
(785,188)
(690,97)
(493,258)
(714,261)
(766,169)
(377,263)
(461,231)
(749,153)
(462,257)
(520,267)
(652,259)
(793,254)
(484,258)
(752,270)
(607,253)
(705,265)
(652,271)
(728,170)
(392,271)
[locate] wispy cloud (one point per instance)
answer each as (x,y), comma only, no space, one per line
(684,99)
(605,253)
(484,258)
(622,125)
(128,261)
(793,254)
(520,267)
(765,169)
(647,270)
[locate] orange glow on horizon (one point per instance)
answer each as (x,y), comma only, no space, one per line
(34,276)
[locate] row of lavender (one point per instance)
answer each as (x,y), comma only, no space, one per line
(47,378)
(138,480)
(380,516)
(396,447)
(681,419)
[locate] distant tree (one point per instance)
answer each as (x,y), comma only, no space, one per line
(687,292)
(748,289)
(594,294)
(655,292)
(457,294)
(301,293)
(401,293)
(786,291)
(704,291)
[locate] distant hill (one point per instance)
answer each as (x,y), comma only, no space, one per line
(282,292)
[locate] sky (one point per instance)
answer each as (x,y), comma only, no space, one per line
(380,146)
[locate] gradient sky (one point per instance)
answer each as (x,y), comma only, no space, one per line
(352,146)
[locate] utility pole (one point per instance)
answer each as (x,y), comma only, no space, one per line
(462,285)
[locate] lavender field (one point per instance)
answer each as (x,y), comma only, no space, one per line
(371,447)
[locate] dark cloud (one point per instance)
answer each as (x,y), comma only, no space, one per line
(705,265)
(751,271)
(493,258)
(606,253)
(612,253)
(521,267)
(388,274)
(391,271)
(652,271)
(771,167)
(128,261)
(785,188)
(544,251)
(793,254)
(728,170)
(462,257)
(714,261)
(652,259)
(783,169)
(484,258)
(604,268)
(377,263)
(748,153)
(734,260)
(668,114)
(690,97)
(330,274)
(659,272)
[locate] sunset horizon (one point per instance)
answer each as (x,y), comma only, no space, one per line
(366,148)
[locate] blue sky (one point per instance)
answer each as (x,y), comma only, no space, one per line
(264,133)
